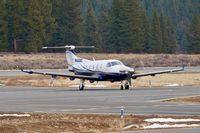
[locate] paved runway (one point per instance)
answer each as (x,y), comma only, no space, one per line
(135,101)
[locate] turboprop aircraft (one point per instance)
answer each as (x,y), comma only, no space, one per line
(97,70)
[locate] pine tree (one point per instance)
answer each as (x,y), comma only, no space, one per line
(147,34)
(68,18)
(169,43)
(116,42)
(12,22)
(91,35)
(127,26)
(156,35)
(133,26)
(104,25)
(37,27)
(49,20)
(17,23)
(194,35)
(22,26)
(164,30)
(3,28)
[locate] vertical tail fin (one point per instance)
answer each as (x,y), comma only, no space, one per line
(70,56)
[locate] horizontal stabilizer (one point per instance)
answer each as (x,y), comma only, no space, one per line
(70,47)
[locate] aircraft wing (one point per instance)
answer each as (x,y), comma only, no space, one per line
(54,75)
(134,76)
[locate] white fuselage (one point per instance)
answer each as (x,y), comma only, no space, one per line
(105,66)
(106,70)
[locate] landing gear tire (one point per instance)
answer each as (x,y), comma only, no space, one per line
(126,87)
(122,87)
(81,87)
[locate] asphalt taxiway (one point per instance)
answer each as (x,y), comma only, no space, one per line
(71,100)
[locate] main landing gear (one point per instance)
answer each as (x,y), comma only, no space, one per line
(124,86)
(81,86)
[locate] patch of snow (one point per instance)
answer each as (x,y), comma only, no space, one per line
(171,120)
(2,85)
(15,115)
(130,126)
(156,125)
(173,85)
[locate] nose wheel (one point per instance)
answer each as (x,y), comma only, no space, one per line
(124,86)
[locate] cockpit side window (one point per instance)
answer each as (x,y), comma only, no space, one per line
(114,63)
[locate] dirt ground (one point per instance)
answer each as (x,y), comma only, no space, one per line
(188,99)
(175,79)
(76,123)
(58,60)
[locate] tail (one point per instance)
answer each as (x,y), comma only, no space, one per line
(70,55)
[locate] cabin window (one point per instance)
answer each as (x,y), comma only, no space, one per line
(78,60)
(97,67)
(109,64)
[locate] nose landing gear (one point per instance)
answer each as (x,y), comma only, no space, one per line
(81,86)
(124,85)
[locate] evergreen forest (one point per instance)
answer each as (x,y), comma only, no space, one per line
(116,26)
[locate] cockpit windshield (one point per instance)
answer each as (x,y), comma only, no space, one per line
(114,63)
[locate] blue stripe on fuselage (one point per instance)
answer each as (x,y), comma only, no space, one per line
(103,76)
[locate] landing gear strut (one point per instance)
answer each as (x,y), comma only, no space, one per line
(122,87)
(81,86)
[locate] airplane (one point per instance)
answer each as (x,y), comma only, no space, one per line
(97,70)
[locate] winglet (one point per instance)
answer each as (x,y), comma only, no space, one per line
(25,71)
(22,69)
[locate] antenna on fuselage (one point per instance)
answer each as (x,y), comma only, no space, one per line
(68,47)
